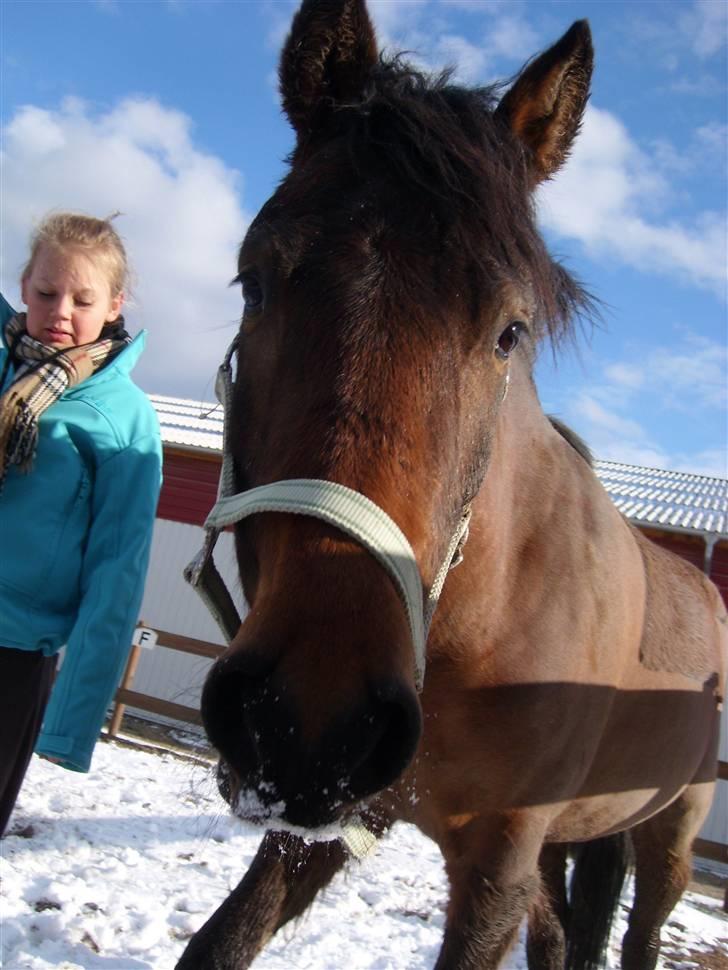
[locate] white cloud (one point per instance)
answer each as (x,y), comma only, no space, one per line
(688,377)
(631,453)
(693,377)
(280,14)
(182,222)
(711,461)
(37,132)
(705,150)
(511,37)
(675,34)
(612,437)
(510,34)
(703,85)
(398,23)
(479,6)
(625,375)
(603,420)
(468,59)
(603,198)
(713,138)
(500,36)
(706,26)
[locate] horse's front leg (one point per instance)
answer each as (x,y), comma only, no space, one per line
(549,913)
(280,884)
(494,879)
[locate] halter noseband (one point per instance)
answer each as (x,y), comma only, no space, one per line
(348,510)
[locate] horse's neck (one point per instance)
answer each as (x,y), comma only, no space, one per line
(526,458)
(534,478)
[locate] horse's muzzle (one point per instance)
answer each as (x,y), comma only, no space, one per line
(275,765)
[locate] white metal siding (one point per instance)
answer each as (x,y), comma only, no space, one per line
(170,604)
(715,827)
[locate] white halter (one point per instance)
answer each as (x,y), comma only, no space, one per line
(335,504)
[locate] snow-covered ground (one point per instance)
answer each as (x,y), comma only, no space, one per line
(116,869)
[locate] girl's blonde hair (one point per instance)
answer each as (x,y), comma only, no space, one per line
(97,237)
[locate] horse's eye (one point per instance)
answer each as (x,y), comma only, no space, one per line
(252,291)
(508,340)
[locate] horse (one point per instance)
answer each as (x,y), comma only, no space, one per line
(568,686)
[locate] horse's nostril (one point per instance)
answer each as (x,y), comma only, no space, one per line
(227,699)
(395,724)
(396,745)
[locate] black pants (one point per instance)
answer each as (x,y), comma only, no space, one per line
(26,678)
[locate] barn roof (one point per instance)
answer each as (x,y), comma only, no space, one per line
(660,498)
(191,425)
(653,497)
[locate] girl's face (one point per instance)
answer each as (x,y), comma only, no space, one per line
(68,297)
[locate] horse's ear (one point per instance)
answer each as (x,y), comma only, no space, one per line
(545,106)
(326,59)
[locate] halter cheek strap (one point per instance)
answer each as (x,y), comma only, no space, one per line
(342,507)
(355,515)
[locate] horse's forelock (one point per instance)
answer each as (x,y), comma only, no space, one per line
(455,164)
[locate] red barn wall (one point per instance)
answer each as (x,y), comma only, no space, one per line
(190,489)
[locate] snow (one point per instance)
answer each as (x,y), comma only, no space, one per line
(116,869)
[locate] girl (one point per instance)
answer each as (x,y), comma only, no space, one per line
(80,471)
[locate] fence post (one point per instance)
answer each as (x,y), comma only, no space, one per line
(126,681)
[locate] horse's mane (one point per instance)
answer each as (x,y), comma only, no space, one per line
(572,438)
(453,153)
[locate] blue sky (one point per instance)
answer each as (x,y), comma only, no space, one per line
(168,111)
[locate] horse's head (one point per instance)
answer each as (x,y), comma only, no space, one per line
(393,285)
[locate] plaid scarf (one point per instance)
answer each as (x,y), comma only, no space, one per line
(42,375)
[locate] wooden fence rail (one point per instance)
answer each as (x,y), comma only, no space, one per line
(125,696)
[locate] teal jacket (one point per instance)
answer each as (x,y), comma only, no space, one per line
(75,535)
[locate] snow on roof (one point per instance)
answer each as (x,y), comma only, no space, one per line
(655,496)
(189,424)
(648,496)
